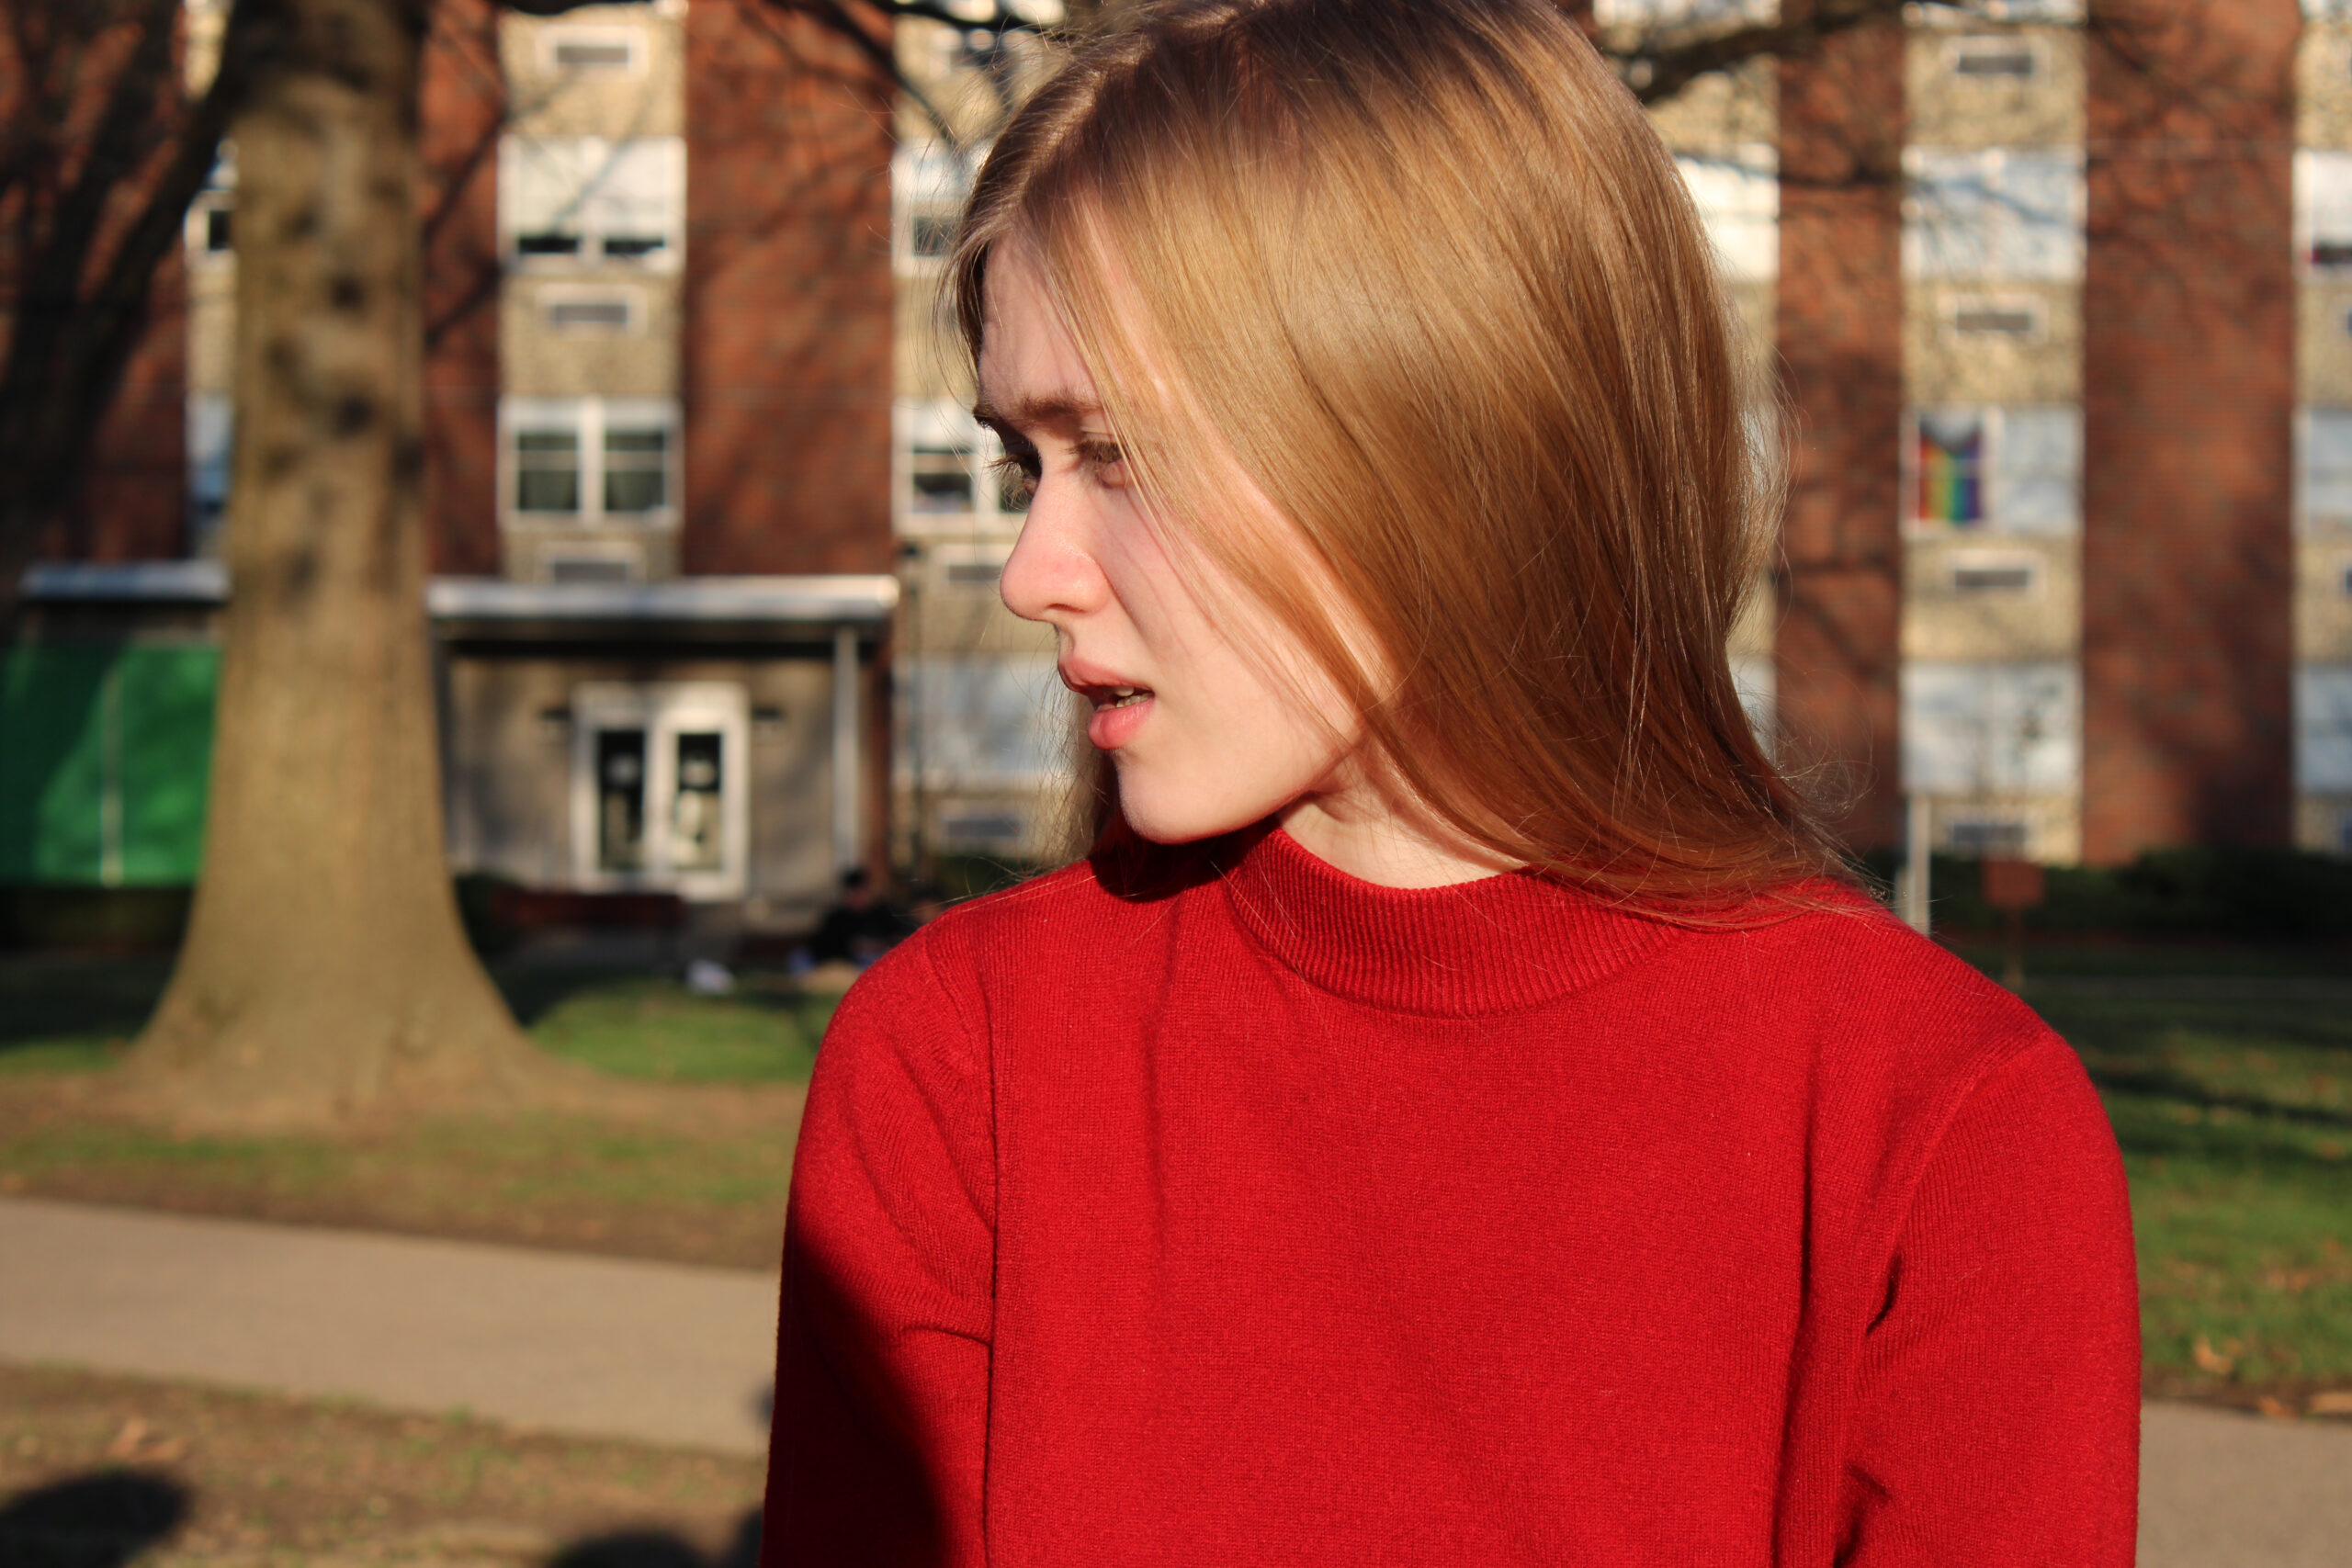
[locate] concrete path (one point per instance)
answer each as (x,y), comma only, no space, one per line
(597,1346)
(670,1354)
(2220,1490)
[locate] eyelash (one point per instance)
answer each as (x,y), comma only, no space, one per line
(1018,470)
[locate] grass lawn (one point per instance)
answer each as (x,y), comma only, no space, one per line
(2227,1073)
(2228,1078)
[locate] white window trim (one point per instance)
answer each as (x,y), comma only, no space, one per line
(1990,166)
(663,710)
(2324,524)
(591,417)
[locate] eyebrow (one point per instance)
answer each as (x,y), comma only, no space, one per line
(1029,413)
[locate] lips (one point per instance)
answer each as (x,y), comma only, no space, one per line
(1120,704)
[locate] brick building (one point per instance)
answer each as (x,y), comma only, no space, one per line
(659,345)
(2067,566)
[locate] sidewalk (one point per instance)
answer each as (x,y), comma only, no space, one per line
(669,1354)
(607,1347)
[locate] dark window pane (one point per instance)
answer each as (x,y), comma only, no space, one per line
(934,233)
(632,245)
(547,490)
(548,244)
(216,230)
(620,799)
(546,441)
(635,490)
(696,839)
(637,440)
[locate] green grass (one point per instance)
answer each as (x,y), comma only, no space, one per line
(74,1013)
(2227,1073)
(2232,1101)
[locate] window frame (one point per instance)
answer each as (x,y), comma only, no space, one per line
(663,710)
(589,419)
(1995,476)
(585,215)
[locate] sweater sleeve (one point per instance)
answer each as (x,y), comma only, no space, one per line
(883,1343)
(1998,1411)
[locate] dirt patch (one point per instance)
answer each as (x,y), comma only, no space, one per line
(100,1469)
(691,1174)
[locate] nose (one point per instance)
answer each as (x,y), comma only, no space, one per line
(1052,575)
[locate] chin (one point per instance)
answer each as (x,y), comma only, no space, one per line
(1169,814)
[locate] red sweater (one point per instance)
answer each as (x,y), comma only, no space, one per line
(1266,1216)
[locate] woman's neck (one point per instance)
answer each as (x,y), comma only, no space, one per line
(1373,843)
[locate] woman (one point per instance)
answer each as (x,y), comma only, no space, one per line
(1457,1114)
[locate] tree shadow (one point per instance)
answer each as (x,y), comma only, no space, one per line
(101,1520)
(660,1549)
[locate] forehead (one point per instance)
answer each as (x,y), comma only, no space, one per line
(1030,370)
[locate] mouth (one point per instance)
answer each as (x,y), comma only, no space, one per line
(1120,706)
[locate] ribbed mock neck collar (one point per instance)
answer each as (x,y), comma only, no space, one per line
(1497,944)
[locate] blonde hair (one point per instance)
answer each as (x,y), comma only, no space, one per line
(1424,272)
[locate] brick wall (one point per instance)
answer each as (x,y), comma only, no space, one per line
(463,108)
(1840,338)
(786,353)
(2188,401)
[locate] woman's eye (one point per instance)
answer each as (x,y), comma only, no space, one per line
(1016,480)
(1108,461)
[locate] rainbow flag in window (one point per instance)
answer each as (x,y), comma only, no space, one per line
(1950,465)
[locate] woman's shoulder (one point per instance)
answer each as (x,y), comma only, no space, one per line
(1840,979)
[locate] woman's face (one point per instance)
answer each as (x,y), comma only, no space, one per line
(1205,738)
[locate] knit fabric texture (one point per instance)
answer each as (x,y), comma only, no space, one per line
(1229,1209)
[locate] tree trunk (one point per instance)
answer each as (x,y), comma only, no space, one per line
(325,976)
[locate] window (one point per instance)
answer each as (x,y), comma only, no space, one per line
(1738,199)
(210,223)
(987,720)
(1991,729)
(592,565)
(2323,210)
(592,312)
(948,464)
(591,460)
(585,199)
(1674,13)
(211,424)
(1949,459)
(1973,573)
(591,51)
(1991,838)
(929,183)
(2323,728)
(2325,478)
(658,787)
(1998,212)
(1994,58)
(2016,318)
(2006,469)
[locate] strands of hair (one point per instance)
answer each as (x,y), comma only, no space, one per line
(1425,277)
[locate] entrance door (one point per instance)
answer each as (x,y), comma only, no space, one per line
(658,796)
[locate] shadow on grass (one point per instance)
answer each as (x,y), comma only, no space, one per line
(77,1011)
(101,1520)
(660,1549)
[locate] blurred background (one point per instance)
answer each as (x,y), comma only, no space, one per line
(677,574)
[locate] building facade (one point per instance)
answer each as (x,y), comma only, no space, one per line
(659,341)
